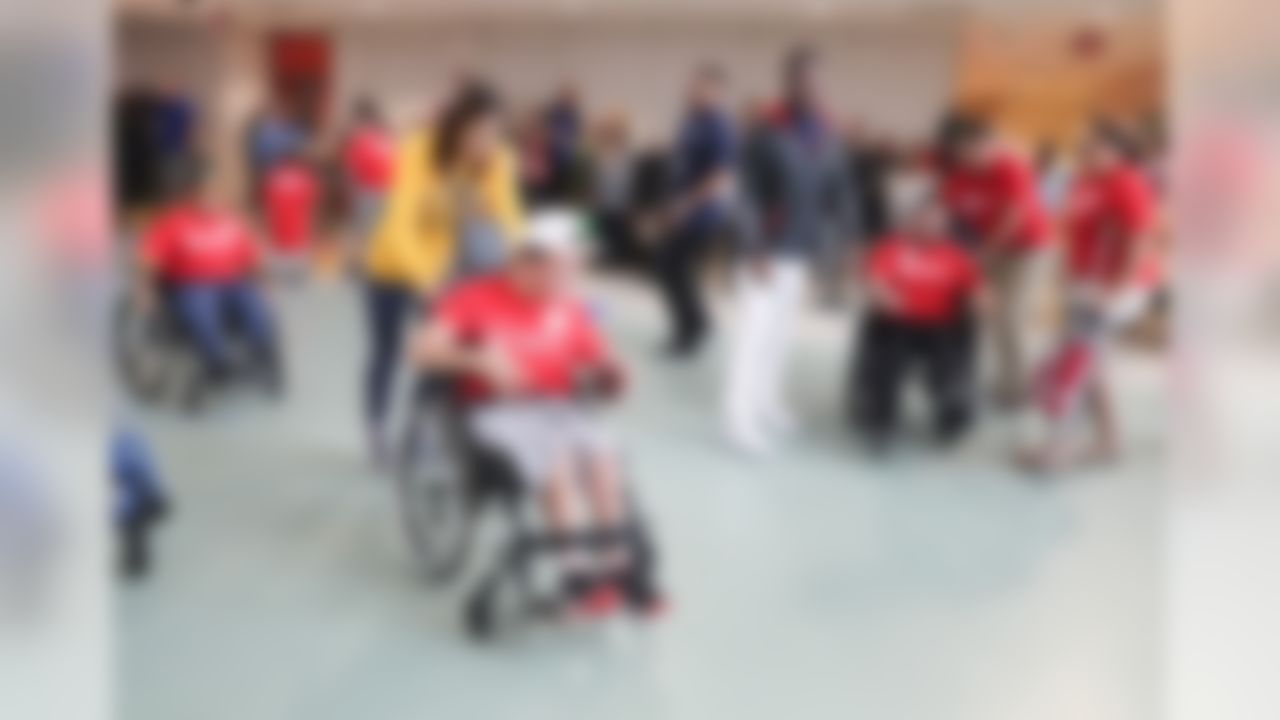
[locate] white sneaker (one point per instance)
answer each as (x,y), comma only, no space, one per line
(782,422)
(749,441)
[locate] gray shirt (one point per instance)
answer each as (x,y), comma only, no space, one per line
(798,196)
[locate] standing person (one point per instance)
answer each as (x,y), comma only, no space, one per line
(452,211)
(992,194)
(870,162)
(798,191)
(1113,270)
(563,121)
(291,197)
(368,161)
(273,135)
(703,167)
(612,170)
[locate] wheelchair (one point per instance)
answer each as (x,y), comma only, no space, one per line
(158,364)
(447,482)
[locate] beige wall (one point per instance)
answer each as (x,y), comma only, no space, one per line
(897,75)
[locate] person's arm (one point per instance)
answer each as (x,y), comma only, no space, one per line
(153,257)
(1135,213)
(760,201)
(1017,187)
(605,374)
(439,348)
(503,191)
(718,181)
(880,293)
(846,209)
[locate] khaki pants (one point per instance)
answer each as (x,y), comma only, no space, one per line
(1019,282)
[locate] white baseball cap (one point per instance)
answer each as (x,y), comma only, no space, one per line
(558,232)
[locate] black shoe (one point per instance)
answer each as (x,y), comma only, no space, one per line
(135,551)
(682,349)
(878,443)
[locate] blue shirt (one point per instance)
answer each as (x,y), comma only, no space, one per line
(706,146)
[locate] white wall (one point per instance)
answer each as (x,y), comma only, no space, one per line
(897,75)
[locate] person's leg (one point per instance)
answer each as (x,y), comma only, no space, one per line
(879,373)
(745,372)
(199,311)
(1021,278)
(247,306)
(946,380)
(678,271)
(387,309)
(787,299)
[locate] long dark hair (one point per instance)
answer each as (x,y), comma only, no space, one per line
(474,101)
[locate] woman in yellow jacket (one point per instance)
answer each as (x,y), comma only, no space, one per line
(452,211)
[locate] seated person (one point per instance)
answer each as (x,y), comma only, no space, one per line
(205,259)
(526,348)
(921,285)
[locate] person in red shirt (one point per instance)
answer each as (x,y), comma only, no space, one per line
(368,161)
(1113,270)
(525,347)
(922,285)
(203,260)
(292,196)
(993,197)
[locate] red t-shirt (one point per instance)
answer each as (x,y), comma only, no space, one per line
(1104,211)
(292,194)
(193,244)
(930,281)
(369,158)
(980,198)
(548,340)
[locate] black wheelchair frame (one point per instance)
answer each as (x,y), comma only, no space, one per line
(446,479)
(156,360)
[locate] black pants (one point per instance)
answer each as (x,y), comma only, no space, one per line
(679,265)
(620,250)
(890,350)
(389,308)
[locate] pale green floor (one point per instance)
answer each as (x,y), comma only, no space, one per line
(817,584)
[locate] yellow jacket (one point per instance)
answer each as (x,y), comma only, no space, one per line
(415,240)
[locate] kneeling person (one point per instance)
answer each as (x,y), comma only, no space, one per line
(922,287)
(527,348)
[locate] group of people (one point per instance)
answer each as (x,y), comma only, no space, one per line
(466,257)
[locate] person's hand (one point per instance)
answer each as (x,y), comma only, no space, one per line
(499,372)
(885,300)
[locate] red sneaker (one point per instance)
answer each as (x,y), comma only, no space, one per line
(600,602)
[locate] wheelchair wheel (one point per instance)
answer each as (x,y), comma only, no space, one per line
(480,620)
(436,501)
(146,354)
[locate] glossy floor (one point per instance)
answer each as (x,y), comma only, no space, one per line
(814,584)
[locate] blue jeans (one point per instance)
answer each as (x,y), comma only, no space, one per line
(205,309)
(388,309)
(137,481)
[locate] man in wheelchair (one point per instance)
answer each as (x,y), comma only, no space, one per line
(534,367)
(199,265)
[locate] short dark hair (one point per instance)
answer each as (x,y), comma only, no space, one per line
(1116,136)
(474,101)
(799,60)
(366,110)
(957,130)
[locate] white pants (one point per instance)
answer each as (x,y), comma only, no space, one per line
(767,314)
(538,435)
